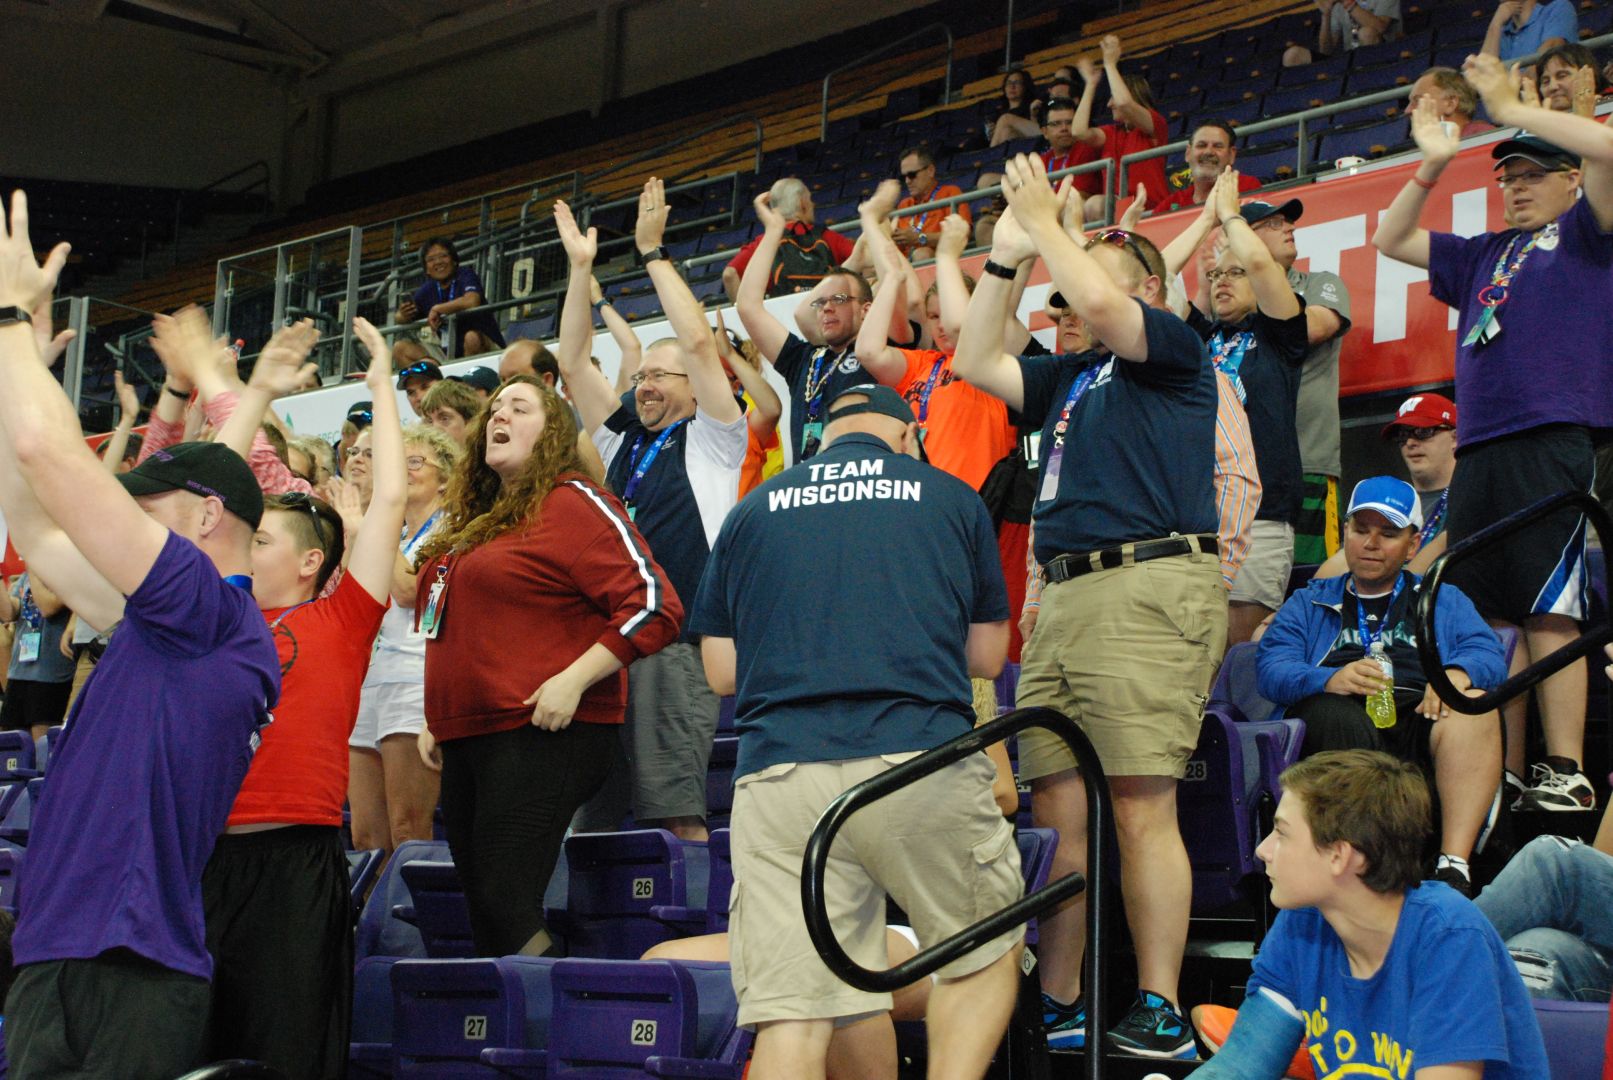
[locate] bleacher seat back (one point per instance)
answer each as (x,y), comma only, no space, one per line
(379,934)
(18,801)
(44,745)
(17,756)
(446,1012)
(720,779)
(1007,687)
(1236,684)
(720,880)
(10,860)
(725,714)
(1213,810)
(625,873)
(440,912)
(633,1018)
(370,1041)
(362,866)
(1573,1032)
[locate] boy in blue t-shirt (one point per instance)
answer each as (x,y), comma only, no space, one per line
(1381,975)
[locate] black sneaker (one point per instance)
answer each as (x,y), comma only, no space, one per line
(1553,790)
(1457,877)
(1066,1025)
(1153,1029)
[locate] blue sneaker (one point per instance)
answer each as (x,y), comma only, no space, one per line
(1153,1029)
(1066,1025)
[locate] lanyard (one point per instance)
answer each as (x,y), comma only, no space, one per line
(1435,521)
(280,618)
(644,462)
(453,288)
(1368,639)
(815,384)
(1078,389)
(418,533)
(1229,351)
(929,388)
(1495,293)
(240,581)
(30,613)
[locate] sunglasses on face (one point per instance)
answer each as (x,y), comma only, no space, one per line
(908,175)
(1403,435)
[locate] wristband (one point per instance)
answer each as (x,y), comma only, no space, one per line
(9,315)
(996,269)
(1426,185)
(645,258)
(601,302)
(182,395)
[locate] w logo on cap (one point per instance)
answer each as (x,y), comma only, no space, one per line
(1410,405)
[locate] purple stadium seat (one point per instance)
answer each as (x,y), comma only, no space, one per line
(720,779)
(379,934)
(1235,686)
(369,1052)
(17,756)
(447,1013)
(10,859)
(1573,1032)
(719,890)
(631,890)
(42,747)
(725,714)
(17,802)
(362,866)
(1372,141)
(1007,685)
(437,908)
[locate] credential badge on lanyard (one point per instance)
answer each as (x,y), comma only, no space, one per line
(431,617)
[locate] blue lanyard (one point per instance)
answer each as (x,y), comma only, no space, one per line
(1078,389)
(929,388)
(1436,520)
(421,531)
(1229,352)
(814,385)
(453,288)
(1368,639)
(30,613)
(280,618)
(644,462)
(240,581)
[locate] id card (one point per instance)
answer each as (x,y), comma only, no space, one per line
(811,436)
(28,646)
(1050,475)
(431,617)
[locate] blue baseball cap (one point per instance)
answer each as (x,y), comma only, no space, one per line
(1393,498)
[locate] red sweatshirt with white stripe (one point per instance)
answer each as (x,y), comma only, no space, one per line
(519,609)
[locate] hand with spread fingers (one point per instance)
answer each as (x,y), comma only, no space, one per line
(378,377)
(581,248)
(1439,146)
(24,282)
(283,363)
(652,216)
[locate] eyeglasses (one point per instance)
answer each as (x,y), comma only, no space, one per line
(1231,273)
(1122,238)
(301,500)
(1403,435)
(641,377)
(1525,179)
(1273,221)
(824,301)
(416,462)
(355,452)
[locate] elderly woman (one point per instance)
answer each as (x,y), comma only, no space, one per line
(451,289)
(534,595)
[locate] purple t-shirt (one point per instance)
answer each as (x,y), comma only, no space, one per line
(1552,363)
(142,779)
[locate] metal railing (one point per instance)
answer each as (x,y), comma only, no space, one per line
(946,92)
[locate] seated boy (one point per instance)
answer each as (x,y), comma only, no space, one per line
(1387,977)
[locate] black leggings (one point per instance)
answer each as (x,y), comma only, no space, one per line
(506,801)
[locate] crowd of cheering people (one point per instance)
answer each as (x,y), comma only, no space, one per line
(518,610)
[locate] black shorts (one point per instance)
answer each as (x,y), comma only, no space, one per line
(1340,722)
(1541,570)
(29,703)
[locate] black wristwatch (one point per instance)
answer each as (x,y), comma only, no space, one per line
(996,269)
(645,258)
(9,315)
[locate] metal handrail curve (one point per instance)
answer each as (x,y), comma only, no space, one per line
(1427,598)
(946,91)
(815,866)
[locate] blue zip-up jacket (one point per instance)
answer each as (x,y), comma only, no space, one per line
(1307,627)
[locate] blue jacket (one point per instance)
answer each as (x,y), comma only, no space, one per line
(1307,627)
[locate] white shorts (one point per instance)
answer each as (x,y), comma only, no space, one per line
(1263,577)
(388,709)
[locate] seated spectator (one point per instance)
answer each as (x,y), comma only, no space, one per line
(807,252)
(1425,431)
(1211,151)
(1062,84)
(1550,905)
(416,378)
(1062,152)
(1568,79)
(1339,642)
(1137,126)
(483,380)
(310,460)
(1013,115)
(916,234)
(450,406)
(1371,964)
(1454,100)
(1346,24)
(452,289)
(1522,28)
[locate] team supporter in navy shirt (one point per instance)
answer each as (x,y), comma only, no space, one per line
(823,702)
(1133,620)
(111,943)
(816,374)
(673,456)
(1256,330)
(1532,368)
(451,289)
(1387,977)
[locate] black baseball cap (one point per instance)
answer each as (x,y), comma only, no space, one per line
(1256,212)
(481,378)
(881,399)
(426,369)
(201,468)
(361,414)
(1534,148)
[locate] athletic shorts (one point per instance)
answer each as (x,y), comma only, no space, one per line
(1316,533)
(388,709)
(1128,654)
(939,848)
(1540,570)
(1263,577)
(29,703)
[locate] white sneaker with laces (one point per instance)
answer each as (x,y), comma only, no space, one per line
(1553,790)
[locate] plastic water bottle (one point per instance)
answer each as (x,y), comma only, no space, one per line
(1381,705)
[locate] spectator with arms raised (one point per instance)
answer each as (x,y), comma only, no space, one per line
(805,250)
(1137,126)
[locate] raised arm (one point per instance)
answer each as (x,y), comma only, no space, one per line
(688,319)
(128,416)
(1273,295)
(980,359)
(627,342)
(374,553)
(950,290)
(766,408)
(1593,142)
(1504,13)
(1179,252)
(1126,108)
(885,364)
(592,393)
(760,325)
(1327,42)
(1081,126)
(1398,235)
(279,371)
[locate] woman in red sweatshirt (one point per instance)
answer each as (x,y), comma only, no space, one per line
(535,594)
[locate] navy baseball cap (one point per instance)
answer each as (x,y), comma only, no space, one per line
(480,378)
(1534,148)
(1257,211)
(881,399)
(420,369)
(361,414)
(1393,498)
(201,468)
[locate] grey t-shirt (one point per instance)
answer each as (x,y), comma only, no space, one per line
(1318,415)
(50,666)
(1344,26)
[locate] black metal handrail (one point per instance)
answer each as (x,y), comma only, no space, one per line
(1543,668)
(815,867)
(889,46)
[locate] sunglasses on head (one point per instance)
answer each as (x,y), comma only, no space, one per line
(419,367)
(1122,239)
(301,500)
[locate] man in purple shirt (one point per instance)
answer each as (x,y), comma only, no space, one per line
(114,970)
(1532,371)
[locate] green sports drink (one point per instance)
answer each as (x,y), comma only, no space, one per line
(1381,705)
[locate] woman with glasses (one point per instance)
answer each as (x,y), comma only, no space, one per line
(534,555)
(452,289)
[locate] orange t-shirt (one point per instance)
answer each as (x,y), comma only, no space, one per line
(762,461)
(966,430)
(299,774)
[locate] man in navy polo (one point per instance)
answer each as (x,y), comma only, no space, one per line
(824,702)
(673,455)
(1126,526)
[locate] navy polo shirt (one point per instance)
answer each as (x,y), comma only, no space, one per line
(1139,455)
(848,584)
(1265,368)
(685,493)
(837,371)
